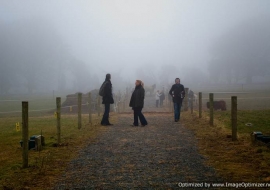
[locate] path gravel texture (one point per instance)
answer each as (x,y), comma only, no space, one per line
(157,156)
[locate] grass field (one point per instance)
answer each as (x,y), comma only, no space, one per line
(260,120)
(38,106)
(245,100)
(44,166)
(235,161)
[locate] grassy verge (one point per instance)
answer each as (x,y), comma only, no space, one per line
(260,120)
(235,161)
(44,166)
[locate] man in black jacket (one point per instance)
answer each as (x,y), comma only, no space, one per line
(178,93)
(107,99)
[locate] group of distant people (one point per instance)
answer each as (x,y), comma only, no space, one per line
(177,92)
(160,97)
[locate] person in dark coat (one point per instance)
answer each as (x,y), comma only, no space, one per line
(107,99)
(178,93)
(137,103)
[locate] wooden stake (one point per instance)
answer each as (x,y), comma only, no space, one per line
(186,100)
(191,105)
(58,118)
(25,134)
(90,107)
(211,108)
(234,117)
(79,110)
(200,105)
(98,105)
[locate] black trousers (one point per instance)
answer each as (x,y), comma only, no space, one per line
(105,118)
(138,115)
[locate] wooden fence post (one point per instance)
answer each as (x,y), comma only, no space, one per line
(58,118)
(170,103)
(211,108)
(90,107)
(191,105)
(98,105)
(79,110)
(123,104)
(186,100)
(118,106)
(200,104)
(25,134)
(234,117)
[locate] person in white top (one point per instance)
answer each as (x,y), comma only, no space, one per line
(157,98)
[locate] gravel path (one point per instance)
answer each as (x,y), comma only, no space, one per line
(157,156)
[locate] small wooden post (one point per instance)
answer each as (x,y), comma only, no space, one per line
(200,104)
(171,104)
(58,118)
(25,134)
(191,105)
(98,105)
(211,108)
(234,117)
(118,106)
(123,104)
(186,100)
(79,110)
(90,107)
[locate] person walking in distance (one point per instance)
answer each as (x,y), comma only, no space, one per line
(107,99)
(137,103)
(178,93)
(157,98)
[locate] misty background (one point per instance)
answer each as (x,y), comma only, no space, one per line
(69,46)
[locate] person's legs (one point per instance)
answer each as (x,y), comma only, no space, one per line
(142,118)
(157,103)
(161,103)
(105,118)
(176,111)
(179,110)
(136,121)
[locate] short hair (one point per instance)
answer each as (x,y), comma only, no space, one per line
(177,79)
(108,76)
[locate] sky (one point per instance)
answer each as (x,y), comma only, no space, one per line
(113,35)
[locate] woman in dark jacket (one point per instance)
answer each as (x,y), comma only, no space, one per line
(137,102)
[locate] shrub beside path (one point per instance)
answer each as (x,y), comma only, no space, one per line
(157,156)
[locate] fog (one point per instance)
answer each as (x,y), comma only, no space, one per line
(69,45)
